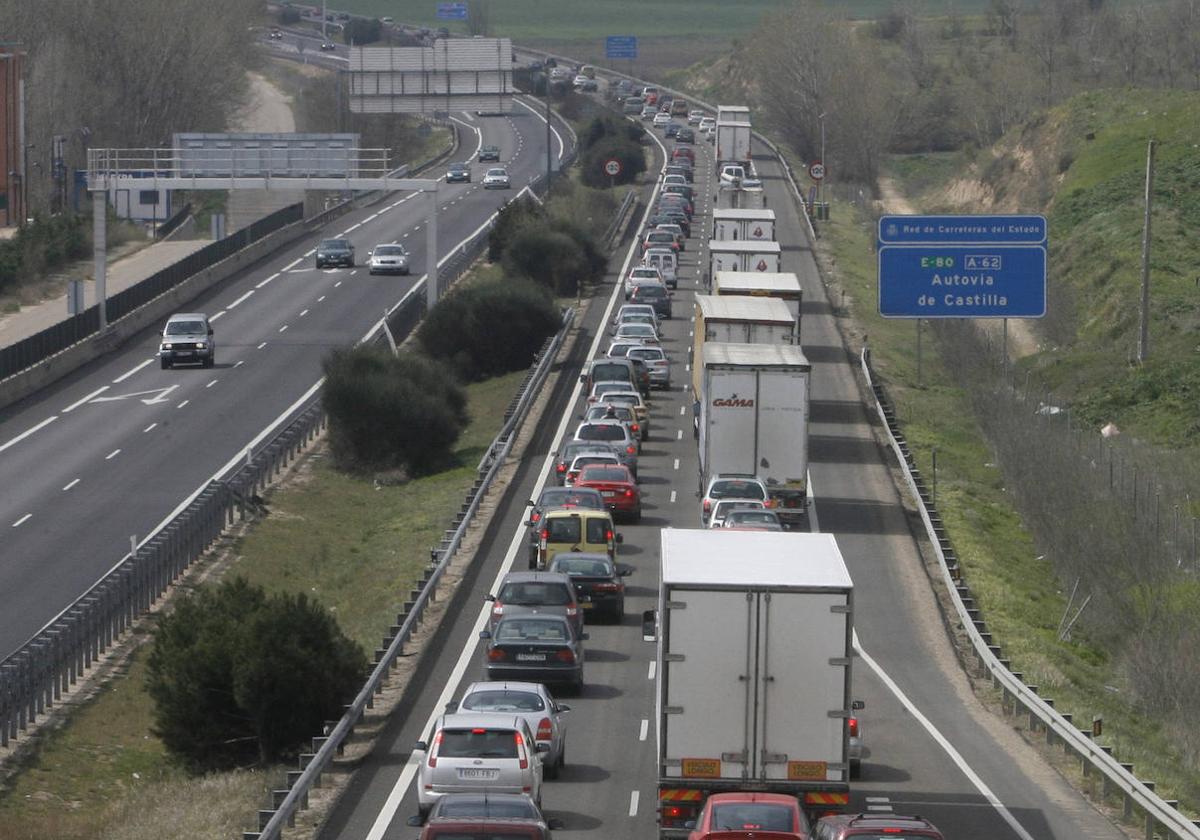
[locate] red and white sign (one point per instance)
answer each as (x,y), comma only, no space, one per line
(612,167)
(762,266)
(816,170)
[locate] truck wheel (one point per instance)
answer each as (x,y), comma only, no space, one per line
(165,363)
(856,769)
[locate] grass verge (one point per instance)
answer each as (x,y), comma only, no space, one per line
(1016,590)
(354,548)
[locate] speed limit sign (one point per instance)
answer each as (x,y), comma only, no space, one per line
(816,170)
(612,167)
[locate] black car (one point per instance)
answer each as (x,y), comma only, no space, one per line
(670,218)
(458,173)
(672,129)
(336,252)
(685,135)
(597,580)
(677,169)
(655,296)
(535,648)
(489,153)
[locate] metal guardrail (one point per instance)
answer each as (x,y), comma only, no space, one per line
(286,802)
(620,219)
(1116,777)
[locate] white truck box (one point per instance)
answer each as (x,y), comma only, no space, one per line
(754,668)
(740,319)
(743,255)
(733,113)
(743,223)
(746,195)
(781,284)
(733,143)
(753,419)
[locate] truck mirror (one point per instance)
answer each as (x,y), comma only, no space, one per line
(649,626)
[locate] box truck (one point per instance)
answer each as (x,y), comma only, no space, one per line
(733,144)
(747,195)
(783,285)
(733,113)
(754,650)
(743,223)
(740,320)
(743,255)
(753,420)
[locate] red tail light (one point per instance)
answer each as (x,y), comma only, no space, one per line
(606,587)
(545,534)
(498,609)
(437,742)
(562,468)
(520,742)
(631,449)
(534,517)
(572,610)
(769,503)
(545,731)
(673,812)
(497,655)
(566,655)
(635,427)
(707,505)
(853,727)
(628,494)
(608,536)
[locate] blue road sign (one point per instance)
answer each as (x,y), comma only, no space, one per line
(452,11)
(621,46)
(962,281)
(921,230)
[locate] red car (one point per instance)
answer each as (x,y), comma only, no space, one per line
(683,152)
(763,816)
(617,486)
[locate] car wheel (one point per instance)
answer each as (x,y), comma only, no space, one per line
(562,756)
(166,363)
(637,516)
(551,770)
(618,614)
(210,361)
(577,686)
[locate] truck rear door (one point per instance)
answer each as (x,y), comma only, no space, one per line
(804,676)
(783,427)
(707,675)
(733,414)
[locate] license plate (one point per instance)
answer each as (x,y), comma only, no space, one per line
(609,492)
(587,605)
(486,773)
(531,657)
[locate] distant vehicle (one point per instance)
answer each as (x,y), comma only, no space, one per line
(657,361)
(686,172)
(632,105)
(694,117)
(612,411)
(275,34)
(707,124)
(587,459)
(388,259)
(496,179)
(685,135)
(648,111)
(671,227)
(871,826)
(458,173)
(642,332)
(672,129)
(660,238)
(489,153)
(339,251)
(722,507)
(187,337)
(559,497)
(679,108)
(568,452)
(598,581)
(661,120)
(328,46)
(656,296)
(641,274)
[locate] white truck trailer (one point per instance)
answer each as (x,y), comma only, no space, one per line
(757,224)
(743,255)
(783,285)
(753,419)
(733,144)
(754,637)
(740,320)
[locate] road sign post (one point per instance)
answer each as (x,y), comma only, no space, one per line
(612,168)
(962,266)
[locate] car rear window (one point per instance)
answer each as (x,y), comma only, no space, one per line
(589,566)
(736,489)
(589,460)
(479,742)
(497,701)
(498,833)
(603,474)
(602,431)
(753,516)
(597,531)
(648,353)
(609,372)
(564,496)
(563,529)
(653,292)
(535,593)
(531,630)
(752,816)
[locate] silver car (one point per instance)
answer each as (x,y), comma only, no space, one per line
(187,337)
(531,701)
(658,363)
(496,178)
(388,259)
(472,752)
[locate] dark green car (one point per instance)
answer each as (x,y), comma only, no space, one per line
(489,153)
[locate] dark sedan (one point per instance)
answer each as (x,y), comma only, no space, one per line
(458,173)
(335,252)
(536,648)
(489,153)
(598,581)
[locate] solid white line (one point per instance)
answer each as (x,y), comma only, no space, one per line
(467,658)
(216,315)
(945,744)
(650,672)
(80,402)
(210,384)
(633,803)
(261,346)
(22,520)
(28,432)
(239,300)
(130,373)
(305,312)
(182,404)
(70,484)
(112,454)
(148,428)
(268,280)
(644,729)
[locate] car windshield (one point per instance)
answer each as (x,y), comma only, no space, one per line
(577,566)
(185,327)
(603,474)
(752,816)
(534,593)
(390,251)
(497,173)
(587,460)
(531,629)
(477,743)
(736,488)
(602,431)
(458,167)
(334,245)
(502,700)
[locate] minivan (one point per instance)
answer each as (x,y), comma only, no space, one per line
(609,370)
(575,529)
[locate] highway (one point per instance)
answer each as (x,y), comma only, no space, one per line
(112,451)
(932,748)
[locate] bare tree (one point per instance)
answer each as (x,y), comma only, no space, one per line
(1128,32)
(479,17)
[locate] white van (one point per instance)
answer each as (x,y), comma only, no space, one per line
(667,263)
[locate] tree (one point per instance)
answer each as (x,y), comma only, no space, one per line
(239,677)
(548,257)
(390,411)
(511,218)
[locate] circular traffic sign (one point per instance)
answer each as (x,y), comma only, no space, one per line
(612,167)
(816,170)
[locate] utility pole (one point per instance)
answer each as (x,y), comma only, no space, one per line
(1144,314)
(547,131)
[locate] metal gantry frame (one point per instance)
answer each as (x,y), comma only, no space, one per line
(176,169)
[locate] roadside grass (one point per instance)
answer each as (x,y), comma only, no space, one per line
(1017,592)
(917,174)
(354,548)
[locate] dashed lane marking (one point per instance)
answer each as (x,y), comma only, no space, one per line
(112,454)
(148,428)
(131,372)
(70,484)
(22,520)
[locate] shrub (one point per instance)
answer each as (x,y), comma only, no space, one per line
(488,329)
(45,244)
(361,31)
(619,147)
(239,677)
(390,411)
(508,221)
(549,257)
